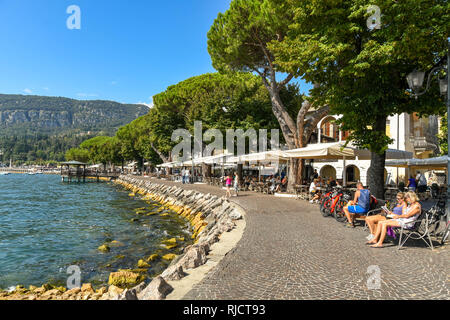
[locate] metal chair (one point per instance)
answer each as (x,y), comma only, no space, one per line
(420,231)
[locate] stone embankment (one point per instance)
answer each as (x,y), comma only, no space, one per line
(209,216)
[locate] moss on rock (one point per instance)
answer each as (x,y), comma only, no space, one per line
(104,248)
(169,256)
(143,264)
(125,278)
(152,257)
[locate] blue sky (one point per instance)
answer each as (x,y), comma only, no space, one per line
(125,51)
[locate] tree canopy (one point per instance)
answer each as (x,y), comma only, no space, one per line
(239,40)
(361,71)
(220,101)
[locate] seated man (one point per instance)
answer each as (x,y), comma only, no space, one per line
(360,205)
(372,221)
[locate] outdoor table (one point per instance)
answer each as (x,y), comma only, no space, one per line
(301,190)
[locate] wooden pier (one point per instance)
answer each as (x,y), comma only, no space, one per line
(74,171)
(16,170)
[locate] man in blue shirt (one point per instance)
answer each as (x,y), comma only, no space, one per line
(359,206)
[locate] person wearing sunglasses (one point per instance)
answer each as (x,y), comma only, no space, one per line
(372,221)
(406,220)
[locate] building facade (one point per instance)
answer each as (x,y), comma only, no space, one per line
(408,131)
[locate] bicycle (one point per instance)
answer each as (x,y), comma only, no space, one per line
(325,202)
(445,233)
(337,207)
(437,214)
(333,203)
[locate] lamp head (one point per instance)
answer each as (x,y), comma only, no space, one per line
(415,80)
(443,86)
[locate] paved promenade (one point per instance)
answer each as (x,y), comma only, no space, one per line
(289,251)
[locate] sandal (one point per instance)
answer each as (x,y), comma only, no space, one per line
(349,225)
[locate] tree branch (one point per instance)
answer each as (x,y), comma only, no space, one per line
(163,158)
(286,81)
(301,120)
(313,120)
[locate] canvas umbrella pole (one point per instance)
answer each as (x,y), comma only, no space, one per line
(344,174)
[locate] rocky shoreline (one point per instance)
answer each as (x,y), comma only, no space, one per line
(209,215)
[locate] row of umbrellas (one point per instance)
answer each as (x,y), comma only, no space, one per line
(335,150)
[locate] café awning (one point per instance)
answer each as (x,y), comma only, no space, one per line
(267,156)
(438,163)
(334,150)
(173,164)
(391,154)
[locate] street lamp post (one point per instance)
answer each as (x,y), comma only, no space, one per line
(415,81)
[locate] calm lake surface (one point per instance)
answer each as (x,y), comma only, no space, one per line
(47,225)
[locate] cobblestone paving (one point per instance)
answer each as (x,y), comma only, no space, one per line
(289,251)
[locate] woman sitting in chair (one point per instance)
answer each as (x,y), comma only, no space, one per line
(405,220)
(372,221)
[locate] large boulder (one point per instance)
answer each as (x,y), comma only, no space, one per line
(128,294)
(195,256)
(125,278)
(87,287)
(174,272)
(158,289)
(235,214)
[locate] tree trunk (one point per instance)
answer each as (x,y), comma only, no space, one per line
(301,168)
(293,174)
(375,174)
(206,170)
(296,134)
(240,168)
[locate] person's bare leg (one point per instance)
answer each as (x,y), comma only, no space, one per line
(348,214)
(373,221)
(377,234)
(382,235)
(371,224)
(384,226)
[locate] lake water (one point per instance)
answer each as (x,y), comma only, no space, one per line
(47,225)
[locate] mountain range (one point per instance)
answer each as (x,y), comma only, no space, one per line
(35,128)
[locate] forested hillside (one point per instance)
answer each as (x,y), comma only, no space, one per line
(34,128)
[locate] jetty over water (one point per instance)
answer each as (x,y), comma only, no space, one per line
(16,170)
(75,171)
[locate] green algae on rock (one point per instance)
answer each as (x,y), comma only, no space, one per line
(125,278)
(104,248)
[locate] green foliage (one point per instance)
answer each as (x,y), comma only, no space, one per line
(77,154)
(234,100)
(220,101)
(41,129)
(38,148)
(103,150)
(363,73)
(237,39)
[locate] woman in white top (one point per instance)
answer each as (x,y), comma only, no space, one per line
(405,220)
(313,191)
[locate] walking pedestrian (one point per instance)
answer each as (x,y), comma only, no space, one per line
(228,186)
(236,183)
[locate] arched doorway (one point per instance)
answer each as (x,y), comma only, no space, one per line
(352,174)
(328,172)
